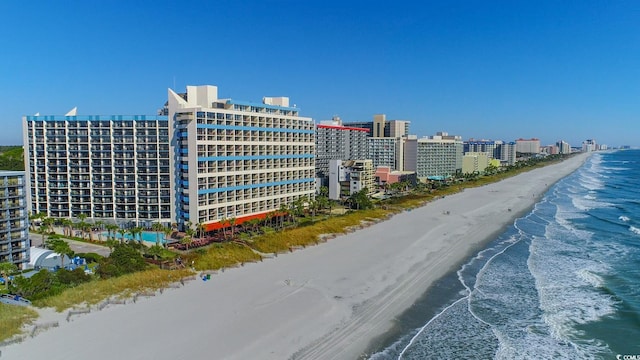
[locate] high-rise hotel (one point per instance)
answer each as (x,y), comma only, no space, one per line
(235,159)
(113,168)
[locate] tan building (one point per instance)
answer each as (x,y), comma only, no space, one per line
(349,177)
(475,162)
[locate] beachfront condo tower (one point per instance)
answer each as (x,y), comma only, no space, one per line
(113,168)
(437,156)
(14,219)
(337,142)
(237,160)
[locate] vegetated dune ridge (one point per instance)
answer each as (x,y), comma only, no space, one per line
(323,302)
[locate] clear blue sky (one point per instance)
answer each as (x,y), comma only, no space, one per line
(483,69)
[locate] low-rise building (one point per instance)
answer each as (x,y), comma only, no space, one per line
(349,177)
(474,162)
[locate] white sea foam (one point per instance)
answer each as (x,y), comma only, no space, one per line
(623,218)
(567,281)
(634,230)
(590,278)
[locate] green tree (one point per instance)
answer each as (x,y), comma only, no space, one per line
(135,231)
(123,259)
(61,247)
(360,200)
(155,251)
(6,269)
(187,240)
(158,228)
(122,233)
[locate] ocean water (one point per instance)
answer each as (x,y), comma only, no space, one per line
(562,283)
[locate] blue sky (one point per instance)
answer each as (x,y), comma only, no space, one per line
(480,69)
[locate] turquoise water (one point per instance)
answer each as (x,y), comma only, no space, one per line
(147,236)
(562,283)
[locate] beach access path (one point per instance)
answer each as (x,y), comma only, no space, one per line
(324,302)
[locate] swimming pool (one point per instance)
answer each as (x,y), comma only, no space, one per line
(147,236)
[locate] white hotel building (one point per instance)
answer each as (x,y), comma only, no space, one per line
(235,159)
(114,168)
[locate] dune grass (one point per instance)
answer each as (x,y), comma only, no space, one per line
(308,235)
(223,255)
(96,291)
(12,319)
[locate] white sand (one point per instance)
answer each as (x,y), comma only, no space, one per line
(323,302)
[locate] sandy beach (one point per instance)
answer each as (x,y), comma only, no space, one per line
(323,302)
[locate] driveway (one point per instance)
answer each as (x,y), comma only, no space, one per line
(76,246)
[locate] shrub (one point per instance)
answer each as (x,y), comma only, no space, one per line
(72,277)
(90,257)
(124,259)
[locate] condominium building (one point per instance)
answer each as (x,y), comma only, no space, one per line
(528,146)
(337,142)
(491,147)
(589,145)
(14,219)
(386,151)
(475,162)
(563,147)
(349,177)
(381,127)
(236,159)
(508,153)
(114,168)
(434,156)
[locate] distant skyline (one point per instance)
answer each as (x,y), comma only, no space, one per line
(497,70)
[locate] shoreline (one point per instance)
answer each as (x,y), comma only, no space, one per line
(326,302)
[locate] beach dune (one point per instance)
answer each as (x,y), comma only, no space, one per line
(324,302)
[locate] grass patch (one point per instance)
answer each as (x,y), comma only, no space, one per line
(96,291)
(308,235)
(225,255)
(12,318)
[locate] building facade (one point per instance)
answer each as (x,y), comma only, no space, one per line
(563,147)
(349,177)
(491,147)
(385,151)
(14,219)
(113,168)
(508,153)
(434,156)
(337,142)
(381,127)
(528,146)
(475,162)
(235,159)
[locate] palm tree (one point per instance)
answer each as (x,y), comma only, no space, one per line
(135,231)
(112,229)
(155,250)
(82,225)
(186,240)
(200,230)
(100,226)
(122,233)
(284,210)
(158,228)
(167,231)
(223,223)
(67,227)
(6,269)
(61,247)
(232,224)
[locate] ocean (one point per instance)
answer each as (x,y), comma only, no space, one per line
(562,283)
